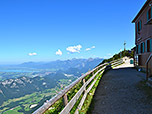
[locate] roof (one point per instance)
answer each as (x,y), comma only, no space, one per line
(146,3)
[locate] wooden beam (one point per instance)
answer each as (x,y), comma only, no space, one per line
(70,105)
(85,95)
(48,104)
(72,102)
(81,103)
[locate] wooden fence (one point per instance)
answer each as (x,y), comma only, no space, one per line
(83,90)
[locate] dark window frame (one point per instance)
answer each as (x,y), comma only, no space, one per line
(149,14)
(148,45)
(141,48)
(139,26)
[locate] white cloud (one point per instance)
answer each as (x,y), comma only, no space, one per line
(59,52)
(87,49)
(93,47)
(74,49)
(109,54)
(32,54)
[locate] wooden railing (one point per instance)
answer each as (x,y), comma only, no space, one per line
(116,62)
(147,74)
(84,90)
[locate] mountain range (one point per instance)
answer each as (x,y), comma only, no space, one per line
(84,64)
(20,86)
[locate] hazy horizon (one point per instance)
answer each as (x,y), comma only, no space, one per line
(16,63)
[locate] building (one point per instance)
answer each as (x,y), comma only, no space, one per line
(143,38)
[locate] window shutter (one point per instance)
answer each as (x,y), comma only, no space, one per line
(151,12)
(147,16)
(143,47)
(138,48)
(146,46)
(140,24)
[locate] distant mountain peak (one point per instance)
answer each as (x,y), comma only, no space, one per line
(63,64)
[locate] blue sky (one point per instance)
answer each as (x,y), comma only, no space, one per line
(47,30)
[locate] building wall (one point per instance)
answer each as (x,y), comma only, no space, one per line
(143,58)
(146,31)
(142,36)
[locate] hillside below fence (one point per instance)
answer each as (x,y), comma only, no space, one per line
(72,98)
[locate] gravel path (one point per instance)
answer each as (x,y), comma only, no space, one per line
(119,92)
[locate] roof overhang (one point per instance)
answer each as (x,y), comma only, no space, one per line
(146,3)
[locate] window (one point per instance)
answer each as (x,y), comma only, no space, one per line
(139,50)
(149,45)
(142,49)
(149,14)
(139,25)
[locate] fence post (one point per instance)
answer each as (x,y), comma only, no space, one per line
(93,73)
(84,83)
(65,98)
